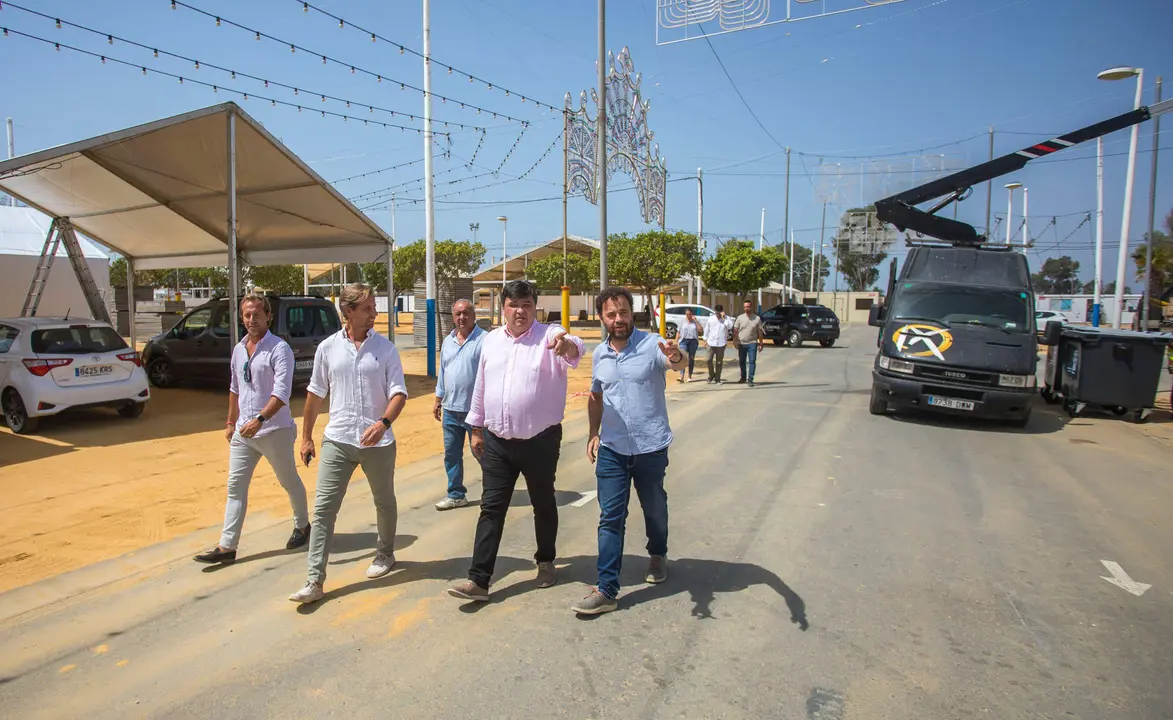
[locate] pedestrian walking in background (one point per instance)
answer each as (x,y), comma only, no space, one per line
(717,330)
(259,425)
(362,374)
(748,336)
(688,334)
(518,403)
(629,439)
(460,356)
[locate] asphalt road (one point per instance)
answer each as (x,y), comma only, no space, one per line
(825,564)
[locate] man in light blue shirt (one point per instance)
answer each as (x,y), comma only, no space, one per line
(460,355)
(629,439)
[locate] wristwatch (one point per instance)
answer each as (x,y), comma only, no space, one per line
(386,422)
(260,418)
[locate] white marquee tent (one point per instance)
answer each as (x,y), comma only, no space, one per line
(209,187)
(22,237)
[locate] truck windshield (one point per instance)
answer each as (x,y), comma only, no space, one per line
(953,305)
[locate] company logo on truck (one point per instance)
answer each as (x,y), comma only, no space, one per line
(934,341)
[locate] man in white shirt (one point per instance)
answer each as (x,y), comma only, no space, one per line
(259,425)
(716,338)
(362,374)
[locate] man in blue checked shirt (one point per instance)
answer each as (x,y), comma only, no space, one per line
(629,439)
(460,355)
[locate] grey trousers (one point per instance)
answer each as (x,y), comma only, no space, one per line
(716,356)
(335,468)
(243,456)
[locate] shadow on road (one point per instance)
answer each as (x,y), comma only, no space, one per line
(343,543)
(561,497)
(1044,420)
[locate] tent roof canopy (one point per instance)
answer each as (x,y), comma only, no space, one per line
(515,267)
(158,193)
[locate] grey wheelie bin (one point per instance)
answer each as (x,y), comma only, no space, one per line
(1117,370)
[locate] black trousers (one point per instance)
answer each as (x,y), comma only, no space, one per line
(503,460)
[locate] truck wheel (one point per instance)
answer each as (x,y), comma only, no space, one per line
(794,339)
(1119,411)
(827,343)
(877,405)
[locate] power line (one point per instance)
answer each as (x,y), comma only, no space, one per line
(110,38)
(215,88)
(729,77)
(306,6)
(327,59)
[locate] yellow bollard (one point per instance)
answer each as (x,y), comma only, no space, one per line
(566,307)
(663,325)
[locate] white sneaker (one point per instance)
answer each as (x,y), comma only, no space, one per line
(449,503)
(312,592)
(380,566)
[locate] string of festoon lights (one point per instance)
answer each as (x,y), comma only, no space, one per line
(331,60)
(378,172)
(106,59)
(234,74)
(376,37)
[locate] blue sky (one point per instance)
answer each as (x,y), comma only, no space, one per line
(884,81)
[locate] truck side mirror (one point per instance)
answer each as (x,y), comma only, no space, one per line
(876,316)
(1052,332)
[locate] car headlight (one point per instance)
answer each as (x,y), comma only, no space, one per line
(1019,381)
(900,366)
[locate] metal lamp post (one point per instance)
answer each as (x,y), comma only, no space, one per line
(1148,251)
(1123,73)
(504,260)
(1010,188)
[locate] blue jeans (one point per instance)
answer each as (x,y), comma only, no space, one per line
(747,355)
(455,431)
(689,347)
(615,474)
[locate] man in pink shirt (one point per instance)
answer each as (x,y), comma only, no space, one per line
(516,418)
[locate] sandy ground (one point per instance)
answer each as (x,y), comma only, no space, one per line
(93,486)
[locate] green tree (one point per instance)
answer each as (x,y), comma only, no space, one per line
(279,279)
(651,260)
(1162,275)
(1057,275)
(454,259)
(860,269)
(738,267)
(582,272)
(142,278)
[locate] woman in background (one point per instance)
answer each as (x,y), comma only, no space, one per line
(688,335)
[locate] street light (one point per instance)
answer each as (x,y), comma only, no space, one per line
(1010,187)
(1123,73)
(504,255)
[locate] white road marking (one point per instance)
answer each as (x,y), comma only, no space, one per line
(1121,580)
(586,498)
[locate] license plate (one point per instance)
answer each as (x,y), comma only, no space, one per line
(303,365)
(93,370)
(951,403)
(827,325)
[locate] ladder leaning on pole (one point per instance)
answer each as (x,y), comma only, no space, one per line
(61,231)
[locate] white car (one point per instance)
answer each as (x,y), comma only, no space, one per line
(674,317)
(50,365)
(1042,317)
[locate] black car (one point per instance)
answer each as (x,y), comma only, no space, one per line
(792,324)
(199,348)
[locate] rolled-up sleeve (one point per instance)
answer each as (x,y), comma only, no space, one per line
(476,410)
(440,374)
(282,372)
(233,380)
(320,378)
(396,385)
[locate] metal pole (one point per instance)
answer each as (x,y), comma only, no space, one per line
(790,285)
(429,191)
(1009,212)
(812,278)
(786,221)
(700,228)
(391,268)
(1025,219)
(1097,281)
(305,280)
(822,239)
(504,252)
(1126,220)
(565,193)
(11,154)
(602,140)
(391,315)
(233,256)
(130,304)
(1148,249)
(761,245)
(989,185)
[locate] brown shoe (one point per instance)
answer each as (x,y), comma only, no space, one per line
(468,590)
(547,575)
